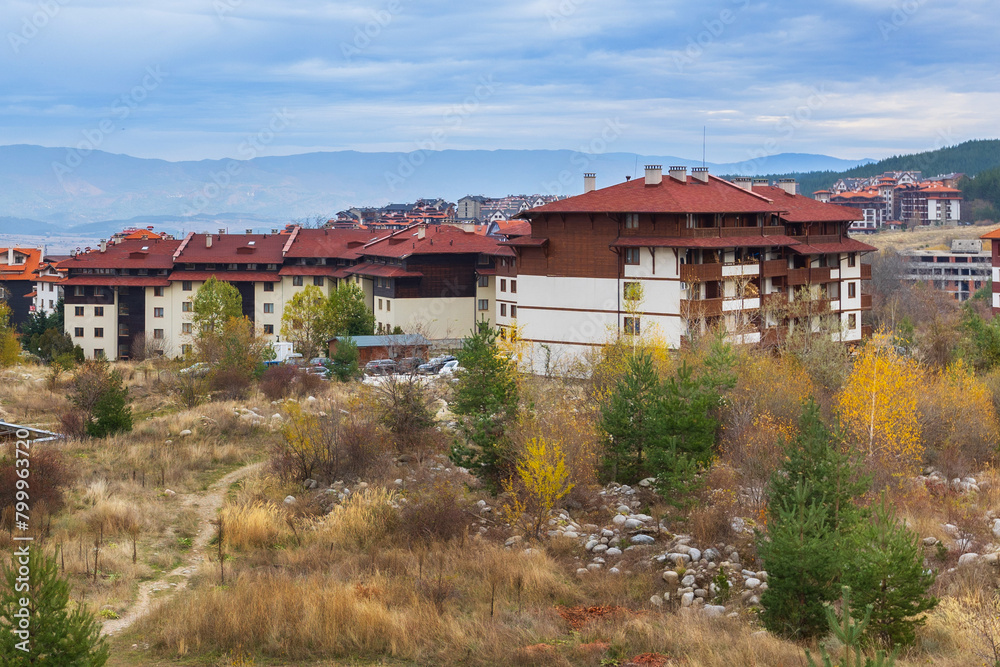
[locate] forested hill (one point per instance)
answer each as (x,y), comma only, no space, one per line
(970,157)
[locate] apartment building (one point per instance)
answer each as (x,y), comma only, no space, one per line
(48,285)
(17,280)
(993,238)
(959,271)
(678,252)
(424,279)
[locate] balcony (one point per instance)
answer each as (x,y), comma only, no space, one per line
(798,277)
(866,271)
(773,268)
(735,270)
(734,304)
(866,302)
(812,240)
(700,273)
(866,331)
(699,308)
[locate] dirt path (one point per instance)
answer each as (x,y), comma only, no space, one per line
(207,506)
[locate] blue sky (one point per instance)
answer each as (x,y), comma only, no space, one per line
(192,79)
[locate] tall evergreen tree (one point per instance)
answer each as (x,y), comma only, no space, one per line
(632,420)
(887,572)
(57,636)
(487,398)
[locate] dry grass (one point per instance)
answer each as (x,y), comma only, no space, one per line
(258,525)
(926,238)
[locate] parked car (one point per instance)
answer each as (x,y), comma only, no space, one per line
(197,370)
(321,371)
(450,368)
(380,367)
(434,365)
(409,364)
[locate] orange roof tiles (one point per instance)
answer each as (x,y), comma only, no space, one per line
(23,271)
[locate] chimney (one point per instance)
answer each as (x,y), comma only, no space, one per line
(761,183)
(421,231)
(744,182)
(103,245)
(789,185)
(10,256)
(589,182)
(679,174)
(654,174)
(700,174)
(249,231)
(221,232)
(208,240)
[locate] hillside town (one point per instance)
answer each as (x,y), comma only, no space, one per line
(898,200)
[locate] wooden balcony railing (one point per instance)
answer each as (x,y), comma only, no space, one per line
(798,277)
(866,331)
(810,240)
(704,232)
(697,308)
(866,302)
(697,273)
(866,271)
(773,267)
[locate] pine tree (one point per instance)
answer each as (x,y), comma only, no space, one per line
(802,562)
(887,573)
(487,398)
(57,636)
(631,419)
(811,509)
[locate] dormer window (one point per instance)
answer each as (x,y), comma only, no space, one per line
(271,267)
(251,267)
(233,267)
(631,221)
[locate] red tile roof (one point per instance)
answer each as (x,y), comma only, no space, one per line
(227,276)
(670,196)
(336,243)
(158,254)
(847,245)
(511,229)
(799,208)
(437,240)
(382,271)
(232,249)
(995,234)
(704,242)
(525,242)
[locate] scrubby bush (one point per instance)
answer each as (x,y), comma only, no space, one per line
(50,476)
(99,393)
(284,380)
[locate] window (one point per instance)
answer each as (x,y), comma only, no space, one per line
(388,305)
(78,311)
(318,281)
(484,304)
(157,291)
(268,307)
(232,267)
(99,353)
(297,281)
(210,267)
(503,284)
(157,312)
(158,334)
(186,327)
(852,259)
(268,287)
(632,326)
(851,290)
(269,329)
(186,285)
(484,281)
(99,332)
(632,256)
(272,267)
(632,291)
(186,307)
(186,348)
(98,311)
(513,310)
(78,290)
(380,304)
(852,321)
(631,221)
(503,310)
(78,332)
(513,287)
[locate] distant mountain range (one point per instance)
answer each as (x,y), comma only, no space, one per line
(55,191)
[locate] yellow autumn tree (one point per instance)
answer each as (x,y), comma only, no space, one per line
(878,408)
(544,480)
(959,420)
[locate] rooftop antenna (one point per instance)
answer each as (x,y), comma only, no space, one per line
(635,169)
